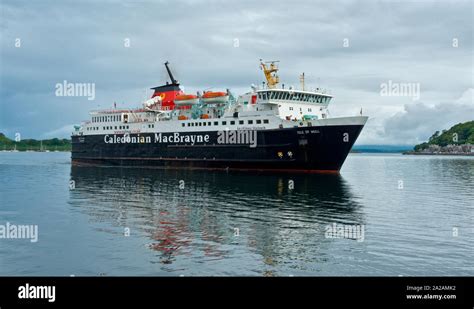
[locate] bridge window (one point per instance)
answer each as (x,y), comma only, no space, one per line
(232,122)
(259,121)
(241,122)
(250,121)
(216,123)
(224,123)
(265,120)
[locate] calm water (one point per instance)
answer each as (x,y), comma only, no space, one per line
(411,208)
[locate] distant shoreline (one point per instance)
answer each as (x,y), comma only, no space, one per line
(438,153)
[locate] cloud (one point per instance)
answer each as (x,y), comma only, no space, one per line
(84,42)
(62,132)
(419,121)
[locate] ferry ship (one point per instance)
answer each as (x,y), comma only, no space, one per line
(269,128)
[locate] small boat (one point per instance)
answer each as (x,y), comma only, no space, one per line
(212,97)
(186,99)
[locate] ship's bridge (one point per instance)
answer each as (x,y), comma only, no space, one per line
(276,96)
(288,104)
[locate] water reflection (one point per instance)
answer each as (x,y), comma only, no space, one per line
(211,216)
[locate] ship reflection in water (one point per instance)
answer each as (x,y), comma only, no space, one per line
(201,223)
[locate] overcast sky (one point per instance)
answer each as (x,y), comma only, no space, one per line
(349,47)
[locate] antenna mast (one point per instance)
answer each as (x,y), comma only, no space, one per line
(302,81)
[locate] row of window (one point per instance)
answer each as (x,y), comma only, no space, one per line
(309,109)
(302,97)
(224,123)
(190,124)
(108,128)
(107,118)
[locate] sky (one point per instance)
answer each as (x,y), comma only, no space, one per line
(354,49)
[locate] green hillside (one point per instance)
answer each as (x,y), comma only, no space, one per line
(460,134)
(35,145)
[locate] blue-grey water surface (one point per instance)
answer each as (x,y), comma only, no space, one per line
(417,213)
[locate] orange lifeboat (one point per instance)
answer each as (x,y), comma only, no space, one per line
(182,117)
(205,116)
(186,99)
(211,97)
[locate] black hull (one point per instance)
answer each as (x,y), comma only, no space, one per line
(305,150)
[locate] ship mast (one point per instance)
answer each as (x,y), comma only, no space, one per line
(270,73)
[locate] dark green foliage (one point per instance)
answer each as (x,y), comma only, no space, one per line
(32,144)
(459,134)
